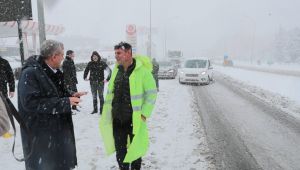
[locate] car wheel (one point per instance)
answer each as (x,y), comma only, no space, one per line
(208,80)
(180,81)
(212,80)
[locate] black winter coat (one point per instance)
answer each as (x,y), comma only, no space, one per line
(121,104)
(6,76)
(96,69)
(69,70)
(155,68)
(45,107)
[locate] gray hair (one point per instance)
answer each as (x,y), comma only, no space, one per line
(50,48)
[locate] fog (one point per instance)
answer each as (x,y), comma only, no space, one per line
(240,29)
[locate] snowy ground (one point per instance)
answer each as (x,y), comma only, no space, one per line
(281,69)
(277,90)
(177,138)
(264,66)
(275,66)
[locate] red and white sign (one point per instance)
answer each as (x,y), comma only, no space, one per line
(9,29)
(131,29)
(131,36)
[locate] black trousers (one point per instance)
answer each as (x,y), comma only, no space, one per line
(121,131)
(97,88)
(156,81)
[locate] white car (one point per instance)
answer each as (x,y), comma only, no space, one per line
(166,70)
(198,70)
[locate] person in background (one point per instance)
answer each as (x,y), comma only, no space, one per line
(155,72)
(69,71)
(6,79)
(96,69)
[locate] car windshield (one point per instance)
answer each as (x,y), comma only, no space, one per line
(165,64)
(195,64)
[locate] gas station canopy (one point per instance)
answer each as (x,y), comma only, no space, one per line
(29,27)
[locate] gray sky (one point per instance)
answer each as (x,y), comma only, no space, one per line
(191,25)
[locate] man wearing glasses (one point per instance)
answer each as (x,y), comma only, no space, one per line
(45,107)
(128,104)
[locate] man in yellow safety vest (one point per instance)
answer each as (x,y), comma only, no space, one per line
(128,104)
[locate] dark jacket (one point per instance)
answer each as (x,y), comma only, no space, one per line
(121,104)
(155,68)
(45,107)
(6,76)
(69,70)
(96,69)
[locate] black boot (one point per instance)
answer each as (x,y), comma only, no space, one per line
(95,107)
(101,99)
(94,111)
(101,109)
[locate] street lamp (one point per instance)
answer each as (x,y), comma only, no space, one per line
(40,9)
(253,37)
(150,29)
(165,43)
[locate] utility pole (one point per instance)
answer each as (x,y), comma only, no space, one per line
(150,31)
(252,37)
(165,42)
(20,33)
(165,36)
(253,40)
(40,9)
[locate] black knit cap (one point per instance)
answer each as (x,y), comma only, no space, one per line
(69,52)
(123,45)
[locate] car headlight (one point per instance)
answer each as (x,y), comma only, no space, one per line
(203,73)
(171,71)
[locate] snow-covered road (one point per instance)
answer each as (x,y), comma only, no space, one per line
(177,139)
(244,131)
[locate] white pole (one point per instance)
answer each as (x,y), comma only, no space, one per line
(150,36)
(41,18)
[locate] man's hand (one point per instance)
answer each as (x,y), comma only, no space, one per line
(11,94)
(143,118)
(79,94)
(74,101)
